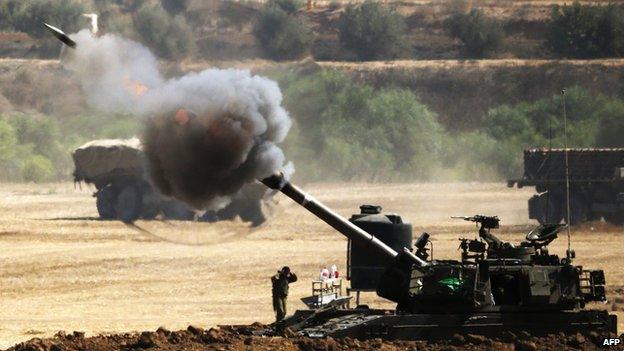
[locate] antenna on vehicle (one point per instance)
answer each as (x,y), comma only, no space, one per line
(569,254)
(547,160)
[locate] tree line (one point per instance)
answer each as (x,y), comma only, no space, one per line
(346,130)
(367,31)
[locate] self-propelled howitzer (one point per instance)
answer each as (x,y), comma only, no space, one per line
(496,286)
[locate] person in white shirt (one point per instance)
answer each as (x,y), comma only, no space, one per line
(324,274)
(333,273)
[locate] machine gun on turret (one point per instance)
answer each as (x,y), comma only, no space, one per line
(500,287)
(485,224)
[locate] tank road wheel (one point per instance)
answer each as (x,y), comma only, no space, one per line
(128,204)
(105,202)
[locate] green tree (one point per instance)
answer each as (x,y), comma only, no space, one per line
(8,142)
(346,130)
(410,129)
(371,31)
(41,133)
(611,128)
(121,24)
(290,6)
(478,156)
(8,11)
(505,121)
(540,123)
(65,14)
(37,169)
(175,7)
(480,35)
(170,37)
(281,36)
(587,31)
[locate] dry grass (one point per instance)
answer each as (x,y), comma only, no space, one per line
(466,64)
(61,269)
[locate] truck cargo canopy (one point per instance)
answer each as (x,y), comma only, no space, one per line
(98,160)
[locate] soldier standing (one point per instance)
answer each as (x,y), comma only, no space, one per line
(280,283)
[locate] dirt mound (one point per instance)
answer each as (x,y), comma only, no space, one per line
(239,338)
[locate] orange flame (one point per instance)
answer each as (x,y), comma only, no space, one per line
(134,87)
(182,116)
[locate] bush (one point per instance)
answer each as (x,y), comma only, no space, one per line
(586,31)
(169,37)
(478,156)
(505,122)
(592,121)
(121,24)
(611,127)
(8,141)
(78,129)
(345,131)
(480,35)
(175,7)
(37,135)
(281,36)
(371,31)
(37,169)
(411,132)
(41,134)
(65,14)
(8,11)
(334,5)
(231,14)
(541,122)
(289,6)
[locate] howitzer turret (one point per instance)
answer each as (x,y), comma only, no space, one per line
(343,226)
(496,286)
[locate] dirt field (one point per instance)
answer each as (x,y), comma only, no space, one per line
(62,269)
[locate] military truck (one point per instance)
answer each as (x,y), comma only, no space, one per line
(596,184)
(123,191)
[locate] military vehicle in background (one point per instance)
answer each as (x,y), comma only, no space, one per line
(117,170)
(596,184)
(496,286)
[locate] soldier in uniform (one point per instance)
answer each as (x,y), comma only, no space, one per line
(280,283)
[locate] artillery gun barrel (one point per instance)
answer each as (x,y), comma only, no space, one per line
(346,228)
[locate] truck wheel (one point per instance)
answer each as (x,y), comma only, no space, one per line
(616,218)
(252,212)
(548,210)
(105,202)
(229,212)
(150,206)
(149,212)
(128,204)
(578,210)
(209,216)
(174,209)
